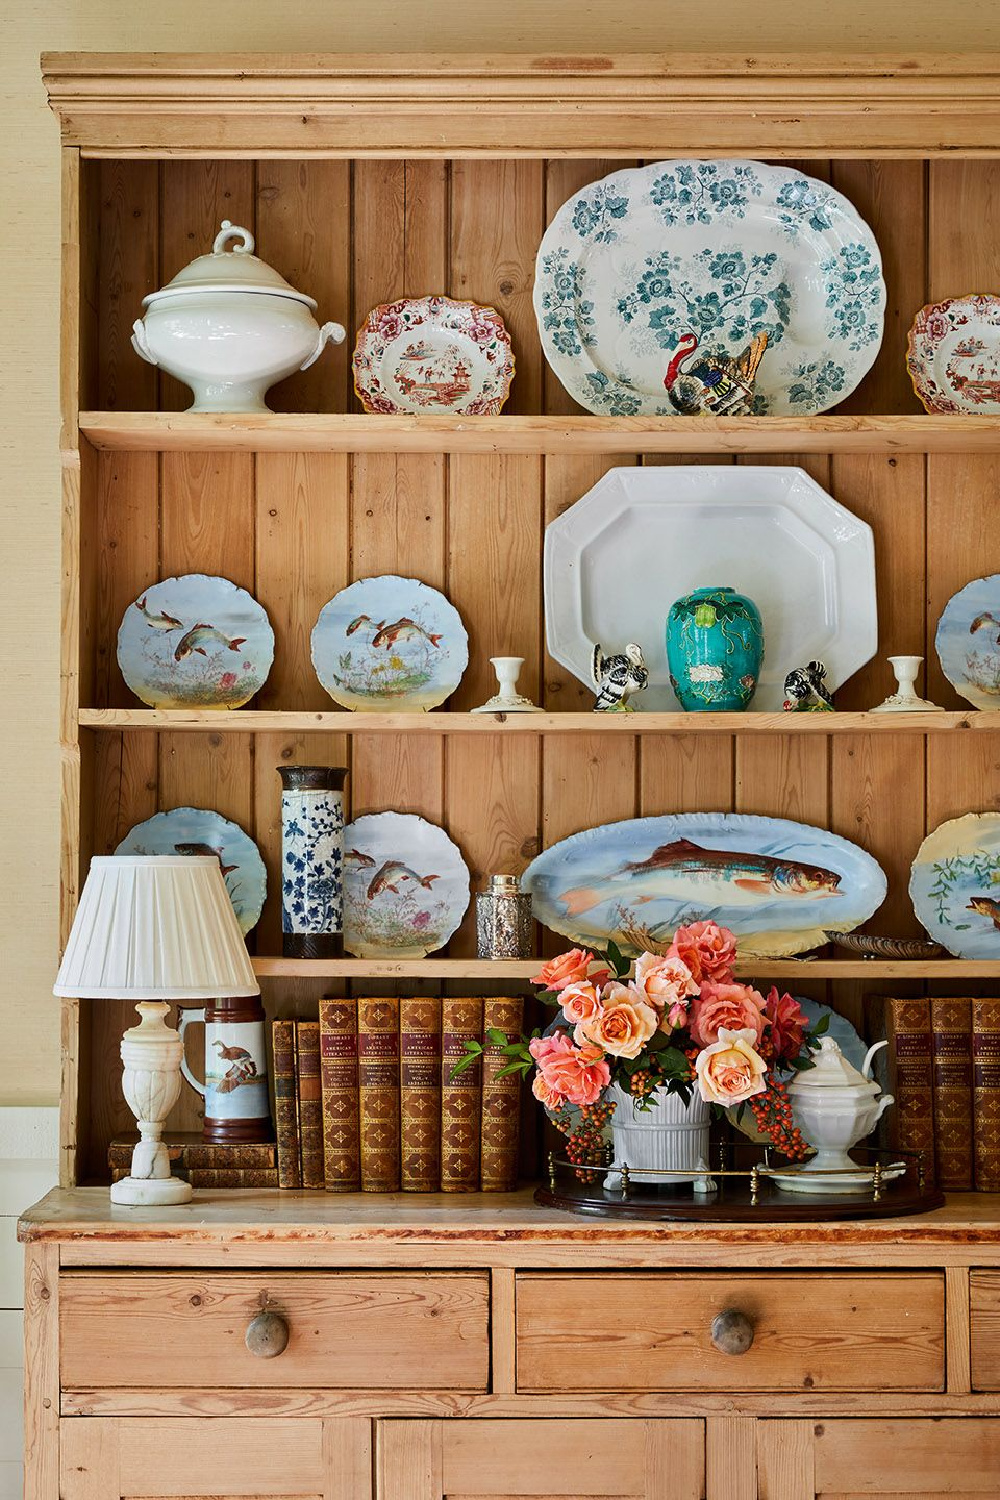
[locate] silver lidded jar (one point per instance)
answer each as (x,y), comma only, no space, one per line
(503,919)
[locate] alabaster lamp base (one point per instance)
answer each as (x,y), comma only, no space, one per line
(151,1053)
(150,1192)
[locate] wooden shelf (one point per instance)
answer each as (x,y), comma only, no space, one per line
(280,721)
(521,970)
(332,432)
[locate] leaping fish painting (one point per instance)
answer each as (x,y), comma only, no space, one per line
(406,886)
(779,885)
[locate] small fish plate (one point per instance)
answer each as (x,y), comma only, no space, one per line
(389,643)
(968,641)
(955,885)
(196,830)
(433,354)
(195,641)
(953,356)
(780,886)
(406,886)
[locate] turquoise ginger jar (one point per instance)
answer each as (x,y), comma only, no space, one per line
(715,647)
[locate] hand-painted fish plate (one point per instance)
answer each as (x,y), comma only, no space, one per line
(968,641)
(406,886)
(955,885)
(196,830)
(780,886)
(636,265)
(195,642)
(953,356)
(771,533)
(433,354)
(389,643)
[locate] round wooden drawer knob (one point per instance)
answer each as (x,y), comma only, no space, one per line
(732,1332)
(267,1335)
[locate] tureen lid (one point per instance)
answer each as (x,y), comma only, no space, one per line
(832,1070)
(235,270)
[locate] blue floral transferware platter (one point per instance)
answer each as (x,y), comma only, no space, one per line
(389,643)
(196,830)
(195,642)
(968,641)
(955,885)
(635,267)
(406,886)
(780,886)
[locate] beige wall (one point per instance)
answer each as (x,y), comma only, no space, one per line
(29,239)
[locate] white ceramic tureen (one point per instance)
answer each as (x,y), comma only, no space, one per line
(229,326)
(835,1106)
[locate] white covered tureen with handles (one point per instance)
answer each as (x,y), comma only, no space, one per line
(835,1107)
(229,326)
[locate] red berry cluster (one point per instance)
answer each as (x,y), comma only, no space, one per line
(585,1135)
(772,1113)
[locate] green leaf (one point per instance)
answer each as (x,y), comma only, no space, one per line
(822,1025)
(619,963)
(497,1037)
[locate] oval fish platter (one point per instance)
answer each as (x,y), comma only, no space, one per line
(196,641)
(780,886)
(406,886)
(196,830)
(955,885)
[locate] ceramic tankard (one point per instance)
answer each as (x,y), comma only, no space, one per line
(235,1087)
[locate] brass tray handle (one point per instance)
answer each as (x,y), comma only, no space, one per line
(732,1332)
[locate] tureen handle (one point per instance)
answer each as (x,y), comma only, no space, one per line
(332,332)
(230,231)
(140,344)
(883,1105)
(866,1067)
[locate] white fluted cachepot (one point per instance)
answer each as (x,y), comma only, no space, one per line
(670,1136)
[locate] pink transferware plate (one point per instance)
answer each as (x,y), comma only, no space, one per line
(953,356)
(433,354)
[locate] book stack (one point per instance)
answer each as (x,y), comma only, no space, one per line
(942,1065)
(204,1165)
(364,1097)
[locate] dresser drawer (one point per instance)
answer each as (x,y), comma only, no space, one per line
(818,1332)
(984,1299)
(345,1329)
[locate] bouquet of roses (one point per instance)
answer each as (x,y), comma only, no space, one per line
(683,1022)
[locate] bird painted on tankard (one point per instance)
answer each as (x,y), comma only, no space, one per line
(617,677)
(243,1070)
(805,688)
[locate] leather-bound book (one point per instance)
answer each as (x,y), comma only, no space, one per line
(338,1065)
(461,1097)
(986,1094)
(904,1068)
(378,1089)
(501,1098)
(951,1049)
(187,1151)
(286,1104)
(310,1103)
(420,1094)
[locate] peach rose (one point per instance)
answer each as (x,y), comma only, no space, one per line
(735,1006)
(665,982)
(545,1093)
(578,1075)
(788,1024)
(580,1001)
(708,950)
(730,1071)
(623,1025)
(568,968)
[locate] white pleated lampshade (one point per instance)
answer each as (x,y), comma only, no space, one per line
(155,927)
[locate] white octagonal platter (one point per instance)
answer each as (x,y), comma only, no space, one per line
(617,559)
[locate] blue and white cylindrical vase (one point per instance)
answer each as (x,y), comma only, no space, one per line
(312,861)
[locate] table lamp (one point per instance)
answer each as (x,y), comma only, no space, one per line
(154,928)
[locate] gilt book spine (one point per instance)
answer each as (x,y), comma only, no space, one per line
(338,1062)
(420,1094)
(986,1094)
(908,1076)
(286,1104)
(378,1088)
(461,1097)
(190,1151)
(501,1097)
(951,1047)
(310,1103)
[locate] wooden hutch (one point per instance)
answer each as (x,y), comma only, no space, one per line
(436,1346)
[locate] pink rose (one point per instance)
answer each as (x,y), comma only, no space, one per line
(665,982)
(788,1024)
(568,968)
(729,1070)
(546,1094)
(623,1024)
(577,1074)
(580,1001)
(708,950)
(734,1006)
(544,1047)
